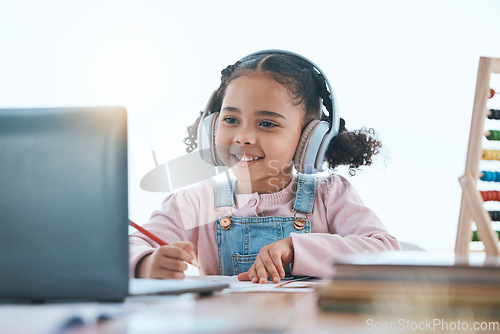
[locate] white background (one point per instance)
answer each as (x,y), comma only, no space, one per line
(405,68)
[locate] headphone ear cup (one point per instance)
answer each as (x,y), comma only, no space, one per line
(206,140)
(300,152)
(305,158)
(213,130)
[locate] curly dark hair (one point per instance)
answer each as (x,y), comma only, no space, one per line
(307,86)
(352,148)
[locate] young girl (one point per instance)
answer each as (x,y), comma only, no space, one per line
(270,221)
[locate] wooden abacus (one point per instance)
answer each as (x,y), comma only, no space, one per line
(472,203)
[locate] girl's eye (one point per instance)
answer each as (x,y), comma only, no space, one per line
(268,124)
(230,120)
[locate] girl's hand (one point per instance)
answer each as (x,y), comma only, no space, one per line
(167,261)
(270,262)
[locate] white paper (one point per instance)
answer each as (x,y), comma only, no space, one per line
(300,284)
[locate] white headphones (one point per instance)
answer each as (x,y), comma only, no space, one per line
(310,153)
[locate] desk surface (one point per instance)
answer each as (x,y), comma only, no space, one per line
(245,308)
(255,312)
(264,312)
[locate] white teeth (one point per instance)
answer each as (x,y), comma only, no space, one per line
(245,158)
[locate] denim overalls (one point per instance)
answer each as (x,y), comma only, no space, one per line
(239,239)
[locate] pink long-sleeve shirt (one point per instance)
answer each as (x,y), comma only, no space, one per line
(340,224)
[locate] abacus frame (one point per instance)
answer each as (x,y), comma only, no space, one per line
(472,204)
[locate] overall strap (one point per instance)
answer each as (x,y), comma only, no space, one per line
(304,197)
(224,194)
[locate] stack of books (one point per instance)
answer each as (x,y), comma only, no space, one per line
(399,280)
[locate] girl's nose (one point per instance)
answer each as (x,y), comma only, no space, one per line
(245,137)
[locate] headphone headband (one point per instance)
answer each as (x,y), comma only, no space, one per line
(333,115)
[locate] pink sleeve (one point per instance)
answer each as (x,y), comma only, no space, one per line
(171,224)
(345,226)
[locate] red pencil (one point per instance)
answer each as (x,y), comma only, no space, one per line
(155,238)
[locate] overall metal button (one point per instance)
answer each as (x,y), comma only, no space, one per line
(225,223)
(299,223)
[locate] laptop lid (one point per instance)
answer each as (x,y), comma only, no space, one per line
(63,204)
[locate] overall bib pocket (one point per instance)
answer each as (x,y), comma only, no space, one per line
(239,245)
(240,239)
(242,263)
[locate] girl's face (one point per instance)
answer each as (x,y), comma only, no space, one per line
(258,130)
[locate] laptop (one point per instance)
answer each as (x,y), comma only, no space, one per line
(63,204)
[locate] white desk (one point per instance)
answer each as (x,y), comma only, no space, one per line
(265,312)
(282,311)
(255,312)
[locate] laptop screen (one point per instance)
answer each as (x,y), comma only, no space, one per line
(63,204)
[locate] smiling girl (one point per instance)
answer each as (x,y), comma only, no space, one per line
(270,221)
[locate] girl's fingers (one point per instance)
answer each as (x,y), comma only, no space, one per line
(279,272)
(176,252)
(268,264)
(252,274)
(168,274)
(186,245)
(244,276)
(173,264)
(167,261)
(262,273)
(270,268)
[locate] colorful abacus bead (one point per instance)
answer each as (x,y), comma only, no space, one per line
(495,215)
(491,93)
(490,195)
(491,154)
(490,176)
(493,135)
(494,114)
(475,237)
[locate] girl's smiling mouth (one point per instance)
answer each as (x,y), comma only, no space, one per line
(246,159)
